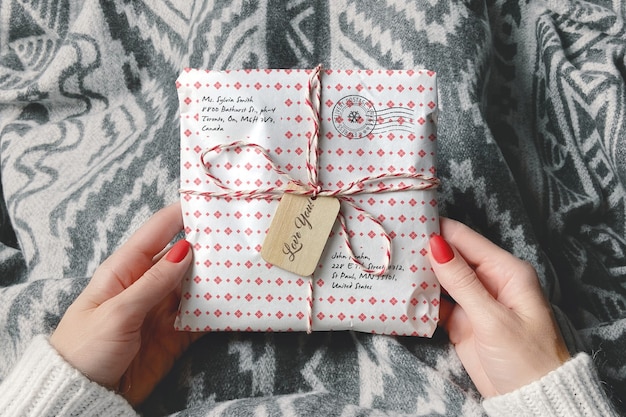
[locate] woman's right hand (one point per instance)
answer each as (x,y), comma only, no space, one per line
(501,325)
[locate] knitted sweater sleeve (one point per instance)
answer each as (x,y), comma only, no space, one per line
(43,384)
(572,390)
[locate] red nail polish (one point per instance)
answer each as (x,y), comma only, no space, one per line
(442,252)
(178,251)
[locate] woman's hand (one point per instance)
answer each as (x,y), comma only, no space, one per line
(502,327)
(120,330)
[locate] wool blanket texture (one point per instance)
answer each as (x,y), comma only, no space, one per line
(532,154)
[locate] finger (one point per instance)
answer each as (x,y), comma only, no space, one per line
(159,281)
(494,266)
(136,256)
(152,237)
(445,310)
(458,325)
(459,279)
(471,245)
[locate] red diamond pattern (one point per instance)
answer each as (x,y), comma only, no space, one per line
(238,232)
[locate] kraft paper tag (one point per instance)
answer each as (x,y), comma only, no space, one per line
(299,231)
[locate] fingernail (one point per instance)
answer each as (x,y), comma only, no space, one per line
(178,251)
(441,250)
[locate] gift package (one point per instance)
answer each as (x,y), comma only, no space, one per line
(309,197)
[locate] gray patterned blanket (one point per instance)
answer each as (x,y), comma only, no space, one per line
(532,154)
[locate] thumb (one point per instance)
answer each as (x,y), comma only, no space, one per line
(160,280)
(460,280)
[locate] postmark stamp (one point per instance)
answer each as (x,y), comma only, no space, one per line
(354,116)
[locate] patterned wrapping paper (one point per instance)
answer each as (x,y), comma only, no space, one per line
(371,124)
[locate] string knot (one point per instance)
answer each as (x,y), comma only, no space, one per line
(317,189)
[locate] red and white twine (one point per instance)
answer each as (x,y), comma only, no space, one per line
(344,193)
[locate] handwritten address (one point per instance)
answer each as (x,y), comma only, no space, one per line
(221,111)
(348,276)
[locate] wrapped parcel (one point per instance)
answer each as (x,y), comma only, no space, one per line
(364,137)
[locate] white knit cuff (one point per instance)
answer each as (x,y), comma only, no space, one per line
(44,384)
(569,391)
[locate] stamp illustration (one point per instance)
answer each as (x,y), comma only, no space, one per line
(355,117)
